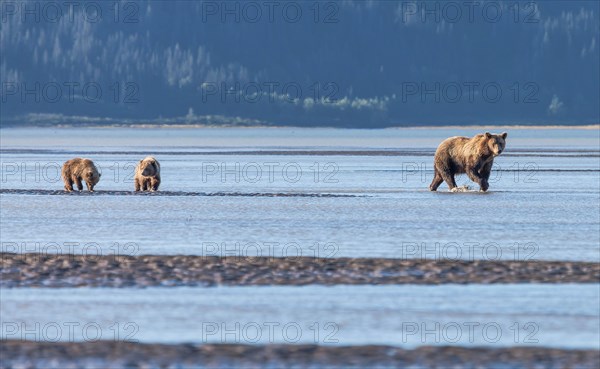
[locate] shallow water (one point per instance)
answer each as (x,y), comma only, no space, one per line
(407,316)
(291,192)
(248,138)
(543,200)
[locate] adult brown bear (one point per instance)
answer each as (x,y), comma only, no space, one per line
(147,175)
(78,169)
(474,156)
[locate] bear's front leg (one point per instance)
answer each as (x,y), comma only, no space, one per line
(90,186)
(77,181)
(136,183)
(485,172)
(474,176)
(154,184)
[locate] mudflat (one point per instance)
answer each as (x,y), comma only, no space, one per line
(28,354)
(68,270)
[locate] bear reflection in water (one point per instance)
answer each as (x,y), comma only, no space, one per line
(473,156)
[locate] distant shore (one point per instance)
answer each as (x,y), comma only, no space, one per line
(28,354)
(141,125)
(67,270)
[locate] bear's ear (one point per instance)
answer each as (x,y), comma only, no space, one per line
(504,134)
(487,135)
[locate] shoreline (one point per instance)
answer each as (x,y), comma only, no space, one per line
(70,270)
(216,126)
(118,354)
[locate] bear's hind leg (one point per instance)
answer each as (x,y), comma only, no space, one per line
(437,181)
(449,178)
(68,184)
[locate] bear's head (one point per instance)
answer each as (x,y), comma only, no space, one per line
(92,176)
(148,167)
(496,143)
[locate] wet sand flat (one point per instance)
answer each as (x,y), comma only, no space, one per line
(60,270)
(27,354)
(164,193)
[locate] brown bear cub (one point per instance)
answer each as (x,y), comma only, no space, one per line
(147,175)
(78,169)
(473,156)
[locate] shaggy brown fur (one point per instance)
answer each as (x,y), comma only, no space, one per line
(147,175)
(474,156)
(78,169)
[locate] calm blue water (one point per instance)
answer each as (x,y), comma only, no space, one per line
(408,315)
(543,202)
